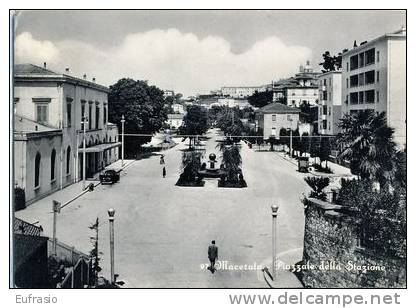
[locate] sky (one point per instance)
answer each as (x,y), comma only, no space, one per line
(192,52)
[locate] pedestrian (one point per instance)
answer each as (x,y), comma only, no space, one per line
(212,256)
(162,159)
(164,172)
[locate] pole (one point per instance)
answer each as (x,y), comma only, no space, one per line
(274,223)
(111,213)
(56,206)
(84,152)
(290,143)
(122,140)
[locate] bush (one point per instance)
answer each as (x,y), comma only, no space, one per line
(317,184)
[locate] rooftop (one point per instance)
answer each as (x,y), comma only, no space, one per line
(25,125)
(32,72)
(175,116)
(277,108)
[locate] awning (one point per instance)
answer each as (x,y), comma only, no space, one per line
(100,147)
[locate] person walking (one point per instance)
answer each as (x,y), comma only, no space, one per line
(212,256)
(162,159)
(164,172)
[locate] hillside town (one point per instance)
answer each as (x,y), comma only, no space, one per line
(306,172)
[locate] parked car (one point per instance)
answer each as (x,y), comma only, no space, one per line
(109,176)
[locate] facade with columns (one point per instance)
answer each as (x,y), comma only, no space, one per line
(46,102)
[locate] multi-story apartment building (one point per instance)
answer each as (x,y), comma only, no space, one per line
(374,77)
(48,133)
(330,101)
(241,92)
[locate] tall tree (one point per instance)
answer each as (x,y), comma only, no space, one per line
(142,106)
(331,63)
(195,122)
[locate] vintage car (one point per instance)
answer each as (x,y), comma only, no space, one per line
(109,176)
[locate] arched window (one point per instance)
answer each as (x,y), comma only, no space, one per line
(53,157)
(37,169)
(68,159)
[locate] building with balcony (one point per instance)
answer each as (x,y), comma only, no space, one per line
(271,118)
(374,77)
(48,133)
(330,101)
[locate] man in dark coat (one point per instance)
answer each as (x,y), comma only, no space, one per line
(212,256)
(164,171)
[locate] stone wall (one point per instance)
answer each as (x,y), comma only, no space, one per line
(334,258)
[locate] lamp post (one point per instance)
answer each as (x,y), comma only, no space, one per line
(56,208)
(84,128)
(290,138)
(111,213)
(122,140)
(275,208)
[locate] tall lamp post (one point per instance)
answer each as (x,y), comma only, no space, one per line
(275,208)
(84,122)
(122,140)
(111,213)
(290,139)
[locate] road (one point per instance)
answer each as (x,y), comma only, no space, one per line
(162,231)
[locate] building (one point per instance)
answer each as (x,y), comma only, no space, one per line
(241,92)
(374,77)
(330,102)
(48,133)
(178,108)
(175,120)
(271,118)
(302,88)
(167,93)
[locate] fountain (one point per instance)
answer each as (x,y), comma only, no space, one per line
(211,170)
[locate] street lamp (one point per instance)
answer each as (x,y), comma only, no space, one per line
(84,122)
(275,208)
(122,140)
(111,213)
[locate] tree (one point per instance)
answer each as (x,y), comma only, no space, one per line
(143,108)
(309,113)
(261,99)
(304,143)
(315,146)
(331,63)
(283,136)
(296,141)
(195,122)
(324,150)
(191,163)
(318,185)
(231,159)
(367,142)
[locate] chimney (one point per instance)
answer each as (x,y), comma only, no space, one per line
(44,65)
(67,70)
(85,76)
(93,79)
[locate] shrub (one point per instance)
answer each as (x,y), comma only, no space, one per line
(19,199)
(317,184)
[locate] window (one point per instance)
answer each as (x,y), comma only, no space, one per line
(354,62)
(347,83)
(324,82)
(97,116)
(68,114)
(347,99)
(42,113)
(378,56)
(369,77)
(354,81)
(361,79)
(68,160)
(324,124)
(369,56)
(105,116)
(348,66)
(361,97)
(53,159)
(329,125)
(37,169)
(289,118)
(273,117)
(329,110)
(90,115)
(329,81)
(293,102)
(378,97)
(273,131)
(369,96)
(324,109)
(361,59)
(329,96)
(353,98)
(324,95)
(378,76)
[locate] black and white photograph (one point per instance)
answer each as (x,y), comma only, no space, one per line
(208,149)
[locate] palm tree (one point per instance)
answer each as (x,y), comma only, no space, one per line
(367,142)
(231,159)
